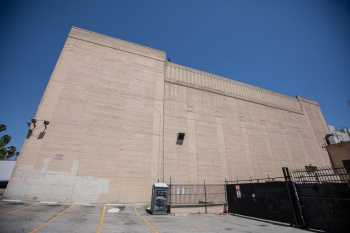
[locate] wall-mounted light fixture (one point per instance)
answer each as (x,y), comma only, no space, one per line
(31,126)
(42,133)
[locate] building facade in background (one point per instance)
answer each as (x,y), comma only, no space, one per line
(338,147)
(122,117)
(339,154)
(337,135)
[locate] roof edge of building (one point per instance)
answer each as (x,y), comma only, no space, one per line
(310,101)
(233,81)
(123,45)
(115,43)
(220,85)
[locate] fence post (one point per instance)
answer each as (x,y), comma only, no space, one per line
(205,198)
(170,195)
(226,204)
(294,200)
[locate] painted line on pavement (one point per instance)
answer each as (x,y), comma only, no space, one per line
(50,220)
(151,226)
(102,220)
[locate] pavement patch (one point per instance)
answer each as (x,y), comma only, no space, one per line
(19,209)
(49,220)
(41,218)
(151,226)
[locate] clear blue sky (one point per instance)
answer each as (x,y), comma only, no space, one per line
(297,47)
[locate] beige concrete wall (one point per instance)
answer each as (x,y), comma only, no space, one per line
(103,144)
(109,103)
(234,130)
(182,75)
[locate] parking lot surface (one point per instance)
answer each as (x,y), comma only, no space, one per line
(43,218)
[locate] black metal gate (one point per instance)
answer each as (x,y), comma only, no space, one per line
(324,196)
(262,198)
(310,198)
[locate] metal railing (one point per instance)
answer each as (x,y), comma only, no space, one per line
(196,195)
(256,180)
(320,175)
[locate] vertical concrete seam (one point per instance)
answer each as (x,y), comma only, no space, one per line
(310,126)
(163,136)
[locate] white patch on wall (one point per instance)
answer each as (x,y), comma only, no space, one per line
(6,168)
(59,186)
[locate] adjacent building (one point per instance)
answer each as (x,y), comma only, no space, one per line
(339,154)
(337,135)
(116,117)
(338,147)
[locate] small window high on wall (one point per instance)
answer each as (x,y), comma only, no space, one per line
(180,138)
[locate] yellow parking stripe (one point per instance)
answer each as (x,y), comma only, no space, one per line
(50,220)
(102,220)
(151,226)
